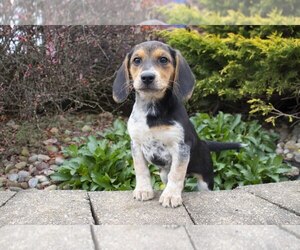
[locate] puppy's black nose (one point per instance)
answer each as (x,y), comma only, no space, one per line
(147,77)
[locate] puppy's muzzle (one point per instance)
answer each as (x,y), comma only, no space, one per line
(147,78)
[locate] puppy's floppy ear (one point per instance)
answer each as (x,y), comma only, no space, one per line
(184,78)
(121,83)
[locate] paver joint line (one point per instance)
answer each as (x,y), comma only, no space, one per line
(96,221)
(94,238)
(191,240)
(188,212)
(288,231)
(4,203)
(274,203)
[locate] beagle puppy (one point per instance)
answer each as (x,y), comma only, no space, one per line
(160,130)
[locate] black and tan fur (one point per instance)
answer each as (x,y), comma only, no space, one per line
(159,126)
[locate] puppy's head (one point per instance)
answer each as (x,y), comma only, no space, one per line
(151,68)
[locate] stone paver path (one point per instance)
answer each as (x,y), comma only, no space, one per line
(255,217)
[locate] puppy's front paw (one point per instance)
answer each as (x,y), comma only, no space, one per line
(143,195)
(169,199)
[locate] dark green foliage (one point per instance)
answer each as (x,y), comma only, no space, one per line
(254,164)
(238,68)
(250,7)
(106,163)
(252,31)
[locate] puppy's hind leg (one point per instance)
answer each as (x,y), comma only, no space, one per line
(201,184)
(163,173)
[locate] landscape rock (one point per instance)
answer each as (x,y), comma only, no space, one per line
(25,152)
(9,167)
(294,171)
(297,157)
(43,157)
(53,167)
(50,141)
(86,128)
(41,166)
(54,131)
(33,182)
(51,148)
(24,185)
(21,165)
(22,175)
(15,189)
(33,158)
(52,187)
(59,161)
(42,178)
(13,177)
(289,156)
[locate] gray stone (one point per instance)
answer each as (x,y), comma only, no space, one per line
(59,161)
(50,141)
(22,175)
(43,158)
(24,185)
(33,158)
(45,183)
(15,189)
(284,194)
(142,237)
(3,181)
(53,167)
(294,171)
(235,207)
(42,178)
(54,130)
(9,167)
(25,152)
(21,165)
(51,207)
(289,156)
(297,157)
(33,182)
(46,237)
(42,166)
(86,128)
(279,151)
(52,187)
(236,237)
(51,148)
(120,208)
(13,177)
(5,196)
(286,151)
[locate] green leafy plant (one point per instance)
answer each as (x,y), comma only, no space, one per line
(101,164)
(254,164)
(106,163)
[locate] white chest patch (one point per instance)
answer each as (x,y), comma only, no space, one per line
(157,143)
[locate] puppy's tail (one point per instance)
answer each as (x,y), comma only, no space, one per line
(220,146)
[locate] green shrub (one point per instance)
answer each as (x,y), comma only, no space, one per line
(106,163)
(182,14)
(238,68)
(263,7)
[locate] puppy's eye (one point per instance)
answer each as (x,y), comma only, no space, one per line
(137,61)
(163,60)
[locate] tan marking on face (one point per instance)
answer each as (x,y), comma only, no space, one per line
(164,73)
(135,71)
